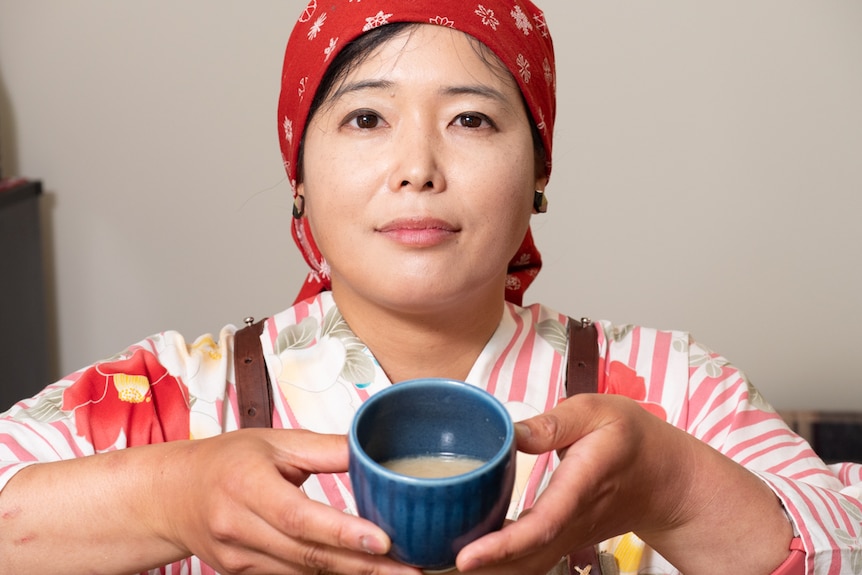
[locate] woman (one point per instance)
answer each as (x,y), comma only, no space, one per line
(418,153)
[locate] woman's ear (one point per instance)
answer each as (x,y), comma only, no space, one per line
(299,202)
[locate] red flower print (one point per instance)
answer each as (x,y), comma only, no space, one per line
(623,380)
(135,396)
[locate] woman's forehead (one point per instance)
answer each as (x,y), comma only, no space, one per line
(449,59)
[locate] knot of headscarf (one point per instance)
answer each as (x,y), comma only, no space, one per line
(515,30)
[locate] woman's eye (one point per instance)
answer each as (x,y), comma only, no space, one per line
(366,121)
(472,120)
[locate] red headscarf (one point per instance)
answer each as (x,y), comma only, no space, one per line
(515,30)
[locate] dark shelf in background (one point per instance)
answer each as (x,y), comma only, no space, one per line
(24,355)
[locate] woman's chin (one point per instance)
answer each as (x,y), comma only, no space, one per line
(418,296)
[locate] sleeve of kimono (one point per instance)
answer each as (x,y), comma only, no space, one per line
(699,391)
(725,410)
(158,390)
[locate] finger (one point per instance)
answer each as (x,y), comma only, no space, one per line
(565,507)
(520,547)
(291,513)
(282,505)
(312,452)
(558,428)
(306,558)
(322,453)
(303,536)
(260,489)
(274,553)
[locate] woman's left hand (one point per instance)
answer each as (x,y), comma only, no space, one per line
(623,469)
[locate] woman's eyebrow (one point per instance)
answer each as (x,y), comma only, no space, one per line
(350,87)
(475,90)
(480,90)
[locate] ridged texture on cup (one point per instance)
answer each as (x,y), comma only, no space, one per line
(430,520)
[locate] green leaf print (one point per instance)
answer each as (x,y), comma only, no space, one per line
(358,367)
(554,333)
(48,408)
(335,326)
(844,537)
(856,561)
(756,399)
(297,336)
(680,344)
(618,333)
(851,509)
(711,364)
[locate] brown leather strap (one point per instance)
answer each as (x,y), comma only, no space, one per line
(582,369)
(253,390)
(582,376)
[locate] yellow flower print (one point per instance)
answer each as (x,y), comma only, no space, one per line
(207,345)
(132,388)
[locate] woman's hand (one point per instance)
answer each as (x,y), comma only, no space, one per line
(623,469)
(240,508)
(234,500)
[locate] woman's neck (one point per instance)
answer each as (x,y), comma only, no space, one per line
(438,343)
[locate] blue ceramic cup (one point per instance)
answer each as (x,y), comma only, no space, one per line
(430,519)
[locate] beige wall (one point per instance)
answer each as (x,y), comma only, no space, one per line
(708,173)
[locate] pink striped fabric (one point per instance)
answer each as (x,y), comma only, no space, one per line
(318,385)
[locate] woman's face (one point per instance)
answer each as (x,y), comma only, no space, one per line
(419,174)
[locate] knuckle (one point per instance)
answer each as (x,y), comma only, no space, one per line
(550,426)
(234,562)
(315,556)
(292,519)
(223,527)
(343,535)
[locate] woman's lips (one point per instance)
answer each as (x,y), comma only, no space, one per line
(419,232)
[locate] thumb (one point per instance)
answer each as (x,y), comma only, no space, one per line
(313,452)
(557,429)
(542,433)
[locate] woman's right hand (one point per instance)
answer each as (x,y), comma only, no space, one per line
(236,503)
(233,500)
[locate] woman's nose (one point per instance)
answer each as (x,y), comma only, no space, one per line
(417,168)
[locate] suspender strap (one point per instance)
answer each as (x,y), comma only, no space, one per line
(582,376)
(582,368)
(253,390)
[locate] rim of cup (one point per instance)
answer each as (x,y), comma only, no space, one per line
(403,386)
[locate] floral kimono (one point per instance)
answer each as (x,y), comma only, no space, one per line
(163,389)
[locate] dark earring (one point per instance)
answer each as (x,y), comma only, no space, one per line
(298,206)
(540,202)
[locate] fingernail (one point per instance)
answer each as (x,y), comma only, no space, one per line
(372,545)
(523,430)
